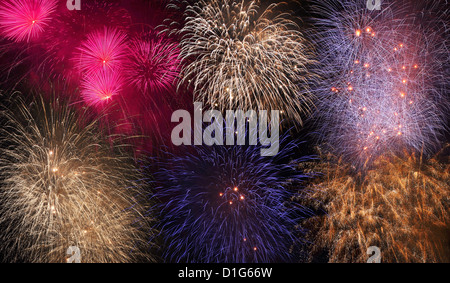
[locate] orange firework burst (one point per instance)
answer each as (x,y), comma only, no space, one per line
(401,205)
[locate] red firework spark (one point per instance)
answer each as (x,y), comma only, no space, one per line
(102,50)
(25,20)
(101,87)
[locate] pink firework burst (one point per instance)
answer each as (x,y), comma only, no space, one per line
(103,50)
(153,63)
(25,20)
(101,87)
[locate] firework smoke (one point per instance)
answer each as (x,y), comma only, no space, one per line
(401,205)
(239,55)
(383,79)
(228,204)
(25,20)
(62,185)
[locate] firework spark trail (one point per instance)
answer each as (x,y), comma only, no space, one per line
(381,74)
(400,205)
(228,204)
(152,63)
(237,54)
(62,186)
(25,20)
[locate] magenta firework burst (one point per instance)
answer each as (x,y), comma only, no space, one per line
(382,87)
(101,87)
(25,20)
(153,63)
(104,49)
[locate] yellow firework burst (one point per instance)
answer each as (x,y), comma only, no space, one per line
(401,205)
(63,186)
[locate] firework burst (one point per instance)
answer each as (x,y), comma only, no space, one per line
(102,50)
(25,20)
(100,88)
(70,28)
(400,205)
(153,63)
(382,72)
(239,55)
(62,186)
(228,204)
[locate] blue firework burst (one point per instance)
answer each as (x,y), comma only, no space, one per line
(229,204)
(382,88)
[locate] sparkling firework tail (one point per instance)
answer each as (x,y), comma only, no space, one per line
(62,186)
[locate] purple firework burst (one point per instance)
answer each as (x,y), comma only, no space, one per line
(382,74)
